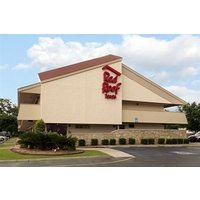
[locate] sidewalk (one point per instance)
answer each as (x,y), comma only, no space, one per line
(112,152)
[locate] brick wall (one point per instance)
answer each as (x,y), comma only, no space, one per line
(128,133)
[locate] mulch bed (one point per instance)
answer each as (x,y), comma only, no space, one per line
(25,151)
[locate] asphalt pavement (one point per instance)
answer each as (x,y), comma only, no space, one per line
(123,156)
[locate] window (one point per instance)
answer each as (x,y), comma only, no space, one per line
(122,126)
(84,126)
(132,125)
(59,128)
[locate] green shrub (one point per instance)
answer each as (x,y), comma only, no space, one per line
(169,141)
(94,142)
(39,126)
(105,142)
(144,141)
(186,141)
(122,141)
(62,142)
(179,140)
(174,141)
(112,141)
(71,143)
(131,140)
(151,141)
(161,140)
(81,142)
(27,140)
(46,140)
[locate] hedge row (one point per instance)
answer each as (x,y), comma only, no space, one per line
(95,141)
(124,141)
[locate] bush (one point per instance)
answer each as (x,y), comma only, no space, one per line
(179,141)
(148,141)
(27,139)
(39,126)
(81,142)
(94,142)
(174,141)
(122,141)
(161,140)
(131,140)
(112,141)
(186,141)
(169,141)
(105,142)
(151,141)
(144,141)
(71,143)
(46,140)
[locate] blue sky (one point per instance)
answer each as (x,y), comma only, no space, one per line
(170,60)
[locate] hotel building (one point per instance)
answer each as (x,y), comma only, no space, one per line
(97,96)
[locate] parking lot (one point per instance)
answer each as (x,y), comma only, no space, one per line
(183,156)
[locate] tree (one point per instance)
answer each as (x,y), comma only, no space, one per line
(192,112)
(8,108)
(8,124)
(39,126)
(8,116)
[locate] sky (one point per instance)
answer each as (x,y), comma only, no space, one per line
(170,60)
(158,39)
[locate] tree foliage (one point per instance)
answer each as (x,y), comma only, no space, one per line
(8,108)
(8,116)
(192,112)
(39,126)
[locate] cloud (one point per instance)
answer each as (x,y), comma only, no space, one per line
(184,93)
(146,53)
(189,71)
(2,67)
(171,63)
(22,66)
(195,83)
(51,53)
(177,58)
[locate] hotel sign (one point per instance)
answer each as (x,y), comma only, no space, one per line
(110,85)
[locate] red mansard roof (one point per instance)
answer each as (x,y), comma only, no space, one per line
(76,67)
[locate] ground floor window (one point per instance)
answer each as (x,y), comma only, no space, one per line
(59,128)
(131,125)
(122,126)
(84,126)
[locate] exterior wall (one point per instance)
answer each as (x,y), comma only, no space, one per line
(144,126)
(146,112)
(29,112)
(94,129)
(133,91)
(145,86)
(137,134)
(154,117)
(78,99)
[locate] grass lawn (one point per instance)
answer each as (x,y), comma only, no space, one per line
(7,154)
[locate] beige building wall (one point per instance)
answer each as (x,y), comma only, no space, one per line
(132,91)
(78,98)
(93,128)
